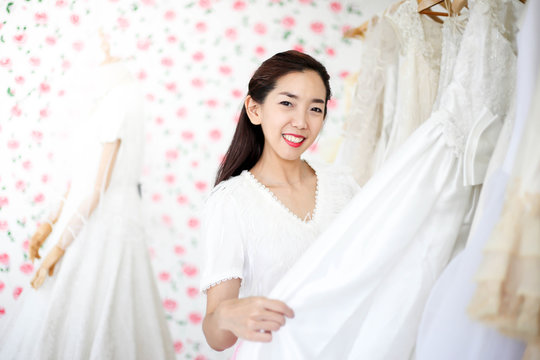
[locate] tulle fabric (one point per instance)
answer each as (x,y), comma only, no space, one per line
(508,293)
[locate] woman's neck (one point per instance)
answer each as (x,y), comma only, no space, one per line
(273,171)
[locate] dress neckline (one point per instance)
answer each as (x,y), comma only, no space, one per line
(308,219)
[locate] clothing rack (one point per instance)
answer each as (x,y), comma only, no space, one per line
(453,7)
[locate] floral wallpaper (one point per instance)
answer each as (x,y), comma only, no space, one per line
(193,60)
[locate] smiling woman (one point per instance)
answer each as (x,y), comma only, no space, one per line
(268,205)
(249,140)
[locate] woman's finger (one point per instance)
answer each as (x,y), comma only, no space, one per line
(259,336)
(269,315)
(279,307)
(267,326)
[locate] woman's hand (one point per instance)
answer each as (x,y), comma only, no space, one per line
(252,318)
(38,239)
(229,318)
(47,267)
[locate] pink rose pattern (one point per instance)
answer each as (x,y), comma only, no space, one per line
(193,64)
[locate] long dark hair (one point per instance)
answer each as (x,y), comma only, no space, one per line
(248,141)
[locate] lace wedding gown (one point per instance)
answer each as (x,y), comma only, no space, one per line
(418,72)
(364,122)
(359,291)
(102,301)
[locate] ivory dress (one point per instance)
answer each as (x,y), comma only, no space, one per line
(358,292)
(102,301)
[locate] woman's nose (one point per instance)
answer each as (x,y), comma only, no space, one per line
(299,120)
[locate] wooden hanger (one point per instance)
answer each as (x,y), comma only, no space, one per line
(457,5)
(424,8)
(360,31)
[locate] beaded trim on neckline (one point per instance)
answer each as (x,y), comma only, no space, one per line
(310,217)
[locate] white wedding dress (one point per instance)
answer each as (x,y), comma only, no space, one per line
(359,290)
(364,122)
(418,72)
(102,301)
(446,331)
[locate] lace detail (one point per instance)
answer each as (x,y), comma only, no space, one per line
(418,74)
(206,288)
(363,124)
(416,33)
(480,72)
(452,33)
(483,52)
(504,16)
(454,135)
(309,216)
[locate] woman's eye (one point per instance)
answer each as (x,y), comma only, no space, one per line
(316,109)
(286,103)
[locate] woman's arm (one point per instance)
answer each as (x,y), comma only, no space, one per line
(86,208)
(229,318)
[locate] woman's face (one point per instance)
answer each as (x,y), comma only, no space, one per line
(292,114)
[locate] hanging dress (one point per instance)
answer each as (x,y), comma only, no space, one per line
(446,331)
(418,73)
(364,121)
(359,291)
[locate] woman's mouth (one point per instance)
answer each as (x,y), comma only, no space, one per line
(293,140)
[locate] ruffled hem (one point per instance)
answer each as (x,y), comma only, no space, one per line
(508,293)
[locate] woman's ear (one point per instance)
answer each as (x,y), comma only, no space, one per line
(253,110)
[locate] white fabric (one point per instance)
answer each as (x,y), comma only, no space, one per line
(358,292)
(446,332)
(389,113)
(419,62)
(364,121)
(102,301)
(452,33)
(249,234)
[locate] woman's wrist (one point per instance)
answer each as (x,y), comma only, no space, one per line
(217,316)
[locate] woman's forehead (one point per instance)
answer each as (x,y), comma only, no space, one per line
(305,84)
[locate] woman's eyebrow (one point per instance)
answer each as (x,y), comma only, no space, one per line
(292,96)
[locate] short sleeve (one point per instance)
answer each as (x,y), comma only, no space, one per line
(110,115)
(222,239)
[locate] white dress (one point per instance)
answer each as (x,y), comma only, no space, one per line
(102,301)
(446,331)
(359,291)
(418,72)
(250,235)
(364,122)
